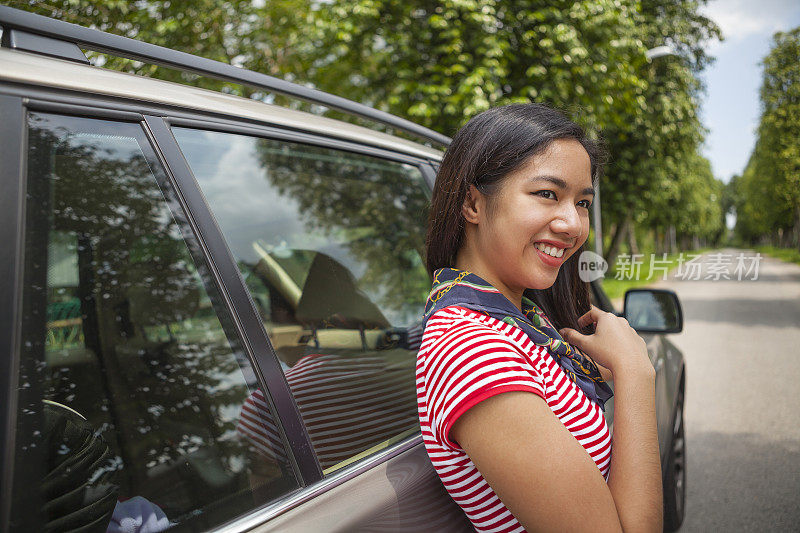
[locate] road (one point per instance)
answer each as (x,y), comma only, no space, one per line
(741,342)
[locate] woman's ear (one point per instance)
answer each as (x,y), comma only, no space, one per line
(472,209)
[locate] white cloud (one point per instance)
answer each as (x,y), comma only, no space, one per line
(740,19)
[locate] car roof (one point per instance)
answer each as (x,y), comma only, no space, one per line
(36,70)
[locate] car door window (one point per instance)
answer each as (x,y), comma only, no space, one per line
(132,378)
(330,245)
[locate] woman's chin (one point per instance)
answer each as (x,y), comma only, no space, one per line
(541,283)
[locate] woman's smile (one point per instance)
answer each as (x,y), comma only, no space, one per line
(552,251)
(550,255)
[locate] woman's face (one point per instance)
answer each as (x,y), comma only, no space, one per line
(538,218)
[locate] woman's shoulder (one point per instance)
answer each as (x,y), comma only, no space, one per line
(459,328)
(452,319)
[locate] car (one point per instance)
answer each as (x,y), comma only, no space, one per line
(211,305)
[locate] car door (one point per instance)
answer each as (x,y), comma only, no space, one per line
(131,365)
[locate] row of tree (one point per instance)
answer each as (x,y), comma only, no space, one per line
(440,62)
(766,197)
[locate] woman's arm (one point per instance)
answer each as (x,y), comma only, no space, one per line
(635,475)
(541,472)
(535,466)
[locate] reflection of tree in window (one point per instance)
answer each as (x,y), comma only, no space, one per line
(329,244)
(668,313)
(351,193)
(152,369)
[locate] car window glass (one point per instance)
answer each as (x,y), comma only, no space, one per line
(330,245)
(132,380)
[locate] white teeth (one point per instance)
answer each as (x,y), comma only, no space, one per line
(550,250)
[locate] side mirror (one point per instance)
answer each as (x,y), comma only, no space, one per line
(653,311)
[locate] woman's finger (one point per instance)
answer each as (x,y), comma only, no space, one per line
(590,317)
(585,320)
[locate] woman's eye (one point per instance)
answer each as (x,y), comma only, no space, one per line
(585,203)
(546,194)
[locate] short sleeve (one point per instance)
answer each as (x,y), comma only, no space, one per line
(467,364)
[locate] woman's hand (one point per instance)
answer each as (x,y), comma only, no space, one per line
(614,343)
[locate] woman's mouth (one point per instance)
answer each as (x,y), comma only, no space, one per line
(549,254)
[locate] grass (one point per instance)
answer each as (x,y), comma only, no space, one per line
(615,288)
(790,255)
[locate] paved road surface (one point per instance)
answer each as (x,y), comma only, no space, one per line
(741,341)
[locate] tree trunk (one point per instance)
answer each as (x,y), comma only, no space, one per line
(658,241)
(633,246)
(797,230)
(673,244)
(616,241)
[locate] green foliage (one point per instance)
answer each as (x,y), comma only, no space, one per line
(767,196)
(266,38)
(655,155)
(440,62)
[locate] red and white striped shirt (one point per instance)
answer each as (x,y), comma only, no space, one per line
(467,357)
(350,401)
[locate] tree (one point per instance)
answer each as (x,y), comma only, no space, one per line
(768,207)
(266,37)
(440,62)
(653,153)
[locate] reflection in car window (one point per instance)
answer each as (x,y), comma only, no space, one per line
(330,245)
(131,378)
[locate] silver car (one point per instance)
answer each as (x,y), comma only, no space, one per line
(211,308)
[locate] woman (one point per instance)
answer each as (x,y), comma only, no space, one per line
(511,410)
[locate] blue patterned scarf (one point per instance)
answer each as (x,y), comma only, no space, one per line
(458,287)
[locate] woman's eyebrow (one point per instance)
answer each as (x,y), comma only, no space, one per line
(561,184)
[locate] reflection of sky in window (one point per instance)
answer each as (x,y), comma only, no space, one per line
(104,146)
(250,210)
(122,148)
(225,165)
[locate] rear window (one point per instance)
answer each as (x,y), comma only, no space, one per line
(330,244)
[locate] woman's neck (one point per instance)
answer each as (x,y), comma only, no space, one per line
(472,263)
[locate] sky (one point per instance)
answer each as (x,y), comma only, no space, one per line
(730,108)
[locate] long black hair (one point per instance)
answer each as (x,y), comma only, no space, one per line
(483,152)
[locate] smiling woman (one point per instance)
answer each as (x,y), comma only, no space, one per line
(510,405)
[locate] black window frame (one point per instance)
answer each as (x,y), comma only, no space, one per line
(157,120)
(237,298)
(12,173)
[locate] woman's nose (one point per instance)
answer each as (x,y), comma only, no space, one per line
(567,221)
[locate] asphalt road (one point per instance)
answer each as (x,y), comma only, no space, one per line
(741,342)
